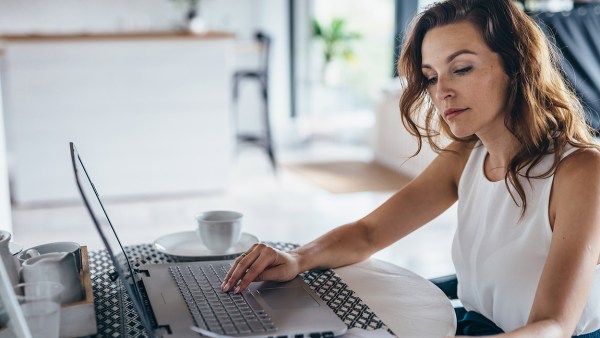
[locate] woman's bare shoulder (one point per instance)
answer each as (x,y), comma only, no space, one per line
(575,201)
(582,161)
(578,172)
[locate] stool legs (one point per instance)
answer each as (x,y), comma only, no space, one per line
(264,140)
(267,120)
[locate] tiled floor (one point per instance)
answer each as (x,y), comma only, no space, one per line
(282,207)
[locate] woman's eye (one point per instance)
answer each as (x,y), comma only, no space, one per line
(430,81)
(462,71)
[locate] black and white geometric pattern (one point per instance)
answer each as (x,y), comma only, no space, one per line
(116,317)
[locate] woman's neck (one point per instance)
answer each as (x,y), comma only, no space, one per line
(501,149)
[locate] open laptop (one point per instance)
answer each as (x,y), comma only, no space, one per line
(171,298)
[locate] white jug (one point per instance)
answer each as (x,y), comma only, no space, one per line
(7,258)
(60,267)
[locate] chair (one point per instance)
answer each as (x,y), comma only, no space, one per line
(261,76)
(448,284)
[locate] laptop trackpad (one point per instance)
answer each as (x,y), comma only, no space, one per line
(282,298)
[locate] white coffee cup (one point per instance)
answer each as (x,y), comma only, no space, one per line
(219,230)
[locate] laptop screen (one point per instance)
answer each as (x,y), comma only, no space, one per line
(91,199)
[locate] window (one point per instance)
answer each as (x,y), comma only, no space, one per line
(348,84)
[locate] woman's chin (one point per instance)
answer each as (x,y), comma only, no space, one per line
(461,133)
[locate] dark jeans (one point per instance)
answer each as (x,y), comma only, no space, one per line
(470,323)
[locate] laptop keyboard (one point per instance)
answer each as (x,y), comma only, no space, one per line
(215,310)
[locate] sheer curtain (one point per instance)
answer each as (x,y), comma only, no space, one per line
(577,35)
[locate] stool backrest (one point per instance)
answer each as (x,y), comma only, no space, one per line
(264,41)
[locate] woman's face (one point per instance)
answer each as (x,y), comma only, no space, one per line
(465,80)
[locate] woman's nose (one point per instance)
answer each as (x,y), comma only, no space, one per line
(444,89)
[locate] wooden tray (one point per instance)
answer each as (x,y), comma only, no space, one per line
(79,318)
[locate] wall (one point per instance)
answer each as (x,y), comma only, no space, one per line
(243,17)
(393,146)
(273,18)
(5,212)
(67,16)
(270,16)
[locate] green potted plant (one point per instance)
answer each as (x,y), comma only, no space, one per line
(335,39)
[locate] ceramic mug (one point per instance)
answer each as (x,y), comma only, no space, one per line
(69,247)
(59,267)
(10,264)
(219,230)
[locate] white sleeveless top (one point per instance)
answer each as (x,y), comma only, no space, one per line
(498,259)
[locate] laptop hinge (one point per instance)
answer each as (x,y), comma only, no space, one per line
(146,272)
(163,331)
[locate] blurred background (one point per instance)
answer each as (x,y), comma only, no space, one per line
(286,111)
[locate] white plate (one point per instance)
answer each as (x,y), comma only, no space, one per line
(187,245)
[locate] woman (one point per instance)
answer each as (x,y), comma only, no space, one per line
(522,165)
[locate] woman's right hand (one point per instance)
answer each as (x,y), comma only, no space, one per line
(261,263)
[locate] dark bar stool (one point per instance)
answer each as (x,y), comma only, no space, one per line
(261,75)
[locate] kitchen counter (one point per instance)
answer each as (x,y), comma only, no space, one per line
(117,36)
(150,111)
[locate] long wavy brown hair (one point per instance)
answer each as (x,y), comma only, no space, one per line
(543,112)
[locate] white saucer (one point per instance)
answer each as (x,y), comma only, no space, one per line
(187,245)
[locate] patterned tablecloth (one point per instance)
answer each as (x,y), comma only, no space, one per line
(116,317)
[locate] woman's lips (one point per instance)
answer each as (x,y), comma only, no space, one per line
(453,112)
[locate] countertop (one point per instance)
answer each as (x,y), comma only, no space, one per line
(141,35)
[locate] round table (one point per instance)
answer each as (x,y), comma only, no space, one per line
(369,295)
(410,305)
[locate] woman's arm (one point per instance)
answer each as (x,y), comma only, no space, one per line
(568,274)
(567,277)
(424,198)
